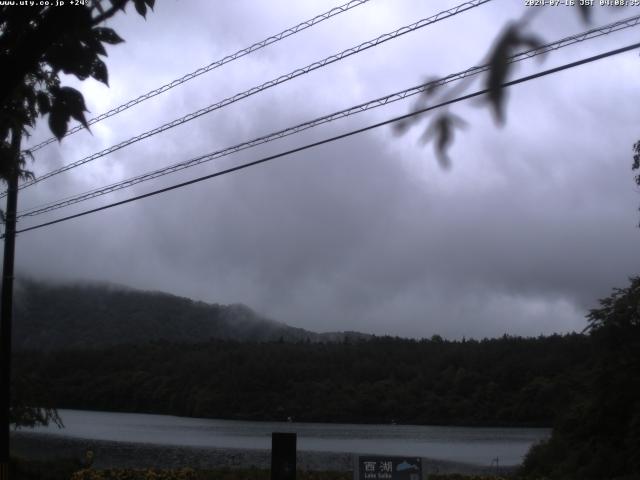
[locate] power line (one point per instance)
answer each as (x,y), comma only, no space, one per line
(401,95)
(218,63)
(272,83)
(334,138)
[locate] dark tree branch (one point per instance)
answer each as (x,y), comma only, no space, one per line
(110,12)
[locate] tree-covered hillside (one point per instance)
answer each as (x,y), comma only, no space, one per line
(506,381)
(55,316)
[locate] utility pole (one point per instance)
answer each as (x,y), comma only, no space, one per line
(6,309)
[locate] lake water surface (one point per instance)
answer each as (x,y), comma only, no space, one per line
(461,444)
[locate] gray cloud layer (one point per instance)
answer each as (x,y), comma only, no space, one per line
(534,222)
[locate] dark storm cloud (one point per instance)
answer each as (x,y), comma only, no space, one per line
(534,222)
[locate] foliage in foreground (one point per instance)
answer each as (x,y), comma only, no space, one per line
(599,434)
(136,474)
(60,469)
(71,469)
(191,474)
(38,43)
(460,476)
(236,474)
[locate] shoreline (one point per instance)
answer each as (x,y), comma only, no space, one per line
(112,454)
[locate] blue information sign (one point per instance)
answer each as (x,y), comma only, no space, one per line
(389,468)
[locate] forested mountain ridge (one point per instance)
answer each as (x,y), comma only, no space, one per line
(92,315)
(507,381)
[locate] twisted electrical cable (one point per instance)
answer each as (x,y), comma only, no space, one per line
(334,138)
(218,63)
(272,83)
(391,98)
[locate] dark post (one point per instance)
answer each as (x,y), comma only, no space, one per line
(283,456)
(6,309)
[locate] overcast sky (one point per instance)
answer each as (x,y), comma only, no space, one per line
(532,224)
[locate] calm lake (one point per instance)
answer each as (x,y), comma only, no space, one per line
(461,444)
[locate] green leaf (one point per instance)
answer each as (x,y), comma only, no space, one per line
(442,128)
(107,35)
(44,105)
(99,71)
(119,4)
(73,98)
(74,102)
(67,102)
(499,65)
(141,7)
(93,42)
(73,59)
(58,119)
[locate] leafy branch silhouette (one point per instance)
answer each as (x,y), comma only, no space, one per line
(442,126)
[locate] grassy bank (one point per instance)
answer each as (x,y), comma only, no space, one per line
(62,469)
(222,474)
(71,469)
(191,474)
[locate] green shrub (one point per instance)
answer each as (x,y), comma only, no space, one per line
(62,469)
(190,474)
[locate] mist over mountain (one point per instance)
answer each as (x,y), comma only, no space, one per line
(51,316)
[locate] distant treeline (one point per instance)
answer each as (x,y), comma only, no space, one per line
(503,382)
